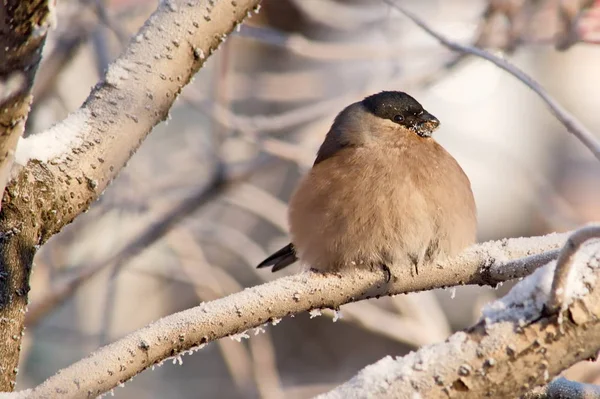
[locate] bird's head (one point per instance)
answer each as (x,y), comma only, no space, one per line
(403,110)
(389,118)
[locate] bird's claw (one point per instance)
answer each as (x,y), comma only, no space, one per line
(387,272)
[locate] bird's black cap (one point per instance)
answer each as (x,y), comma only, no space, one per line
(389,103)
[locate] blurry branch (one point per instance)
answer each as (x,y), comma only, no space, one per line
(262,364)
(319,50)
(589,26)
(514,347)
(100,8)
(401,329)
(565,117)
(348,15)
(59,179)
(255,306)
(219,183)
(63,52)
(24,25)
(199,271)
(262,123)
(561,388)
(425,309)
(570,13)
(564,264)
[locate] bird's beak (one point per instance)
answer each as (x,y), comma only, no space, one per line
(427,124)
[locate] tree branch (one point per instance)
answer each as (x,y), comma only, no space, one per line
(64,169)
(564,264)
(187,330)
(23,29)
(514,334)
(572,124)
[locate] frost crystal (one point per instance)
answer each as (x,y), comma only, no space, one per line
(240,336)
(336,315)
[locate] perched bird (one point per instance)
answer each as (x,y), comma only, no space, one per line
(382,191)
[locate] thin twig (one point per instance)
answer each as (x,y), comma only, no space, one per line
(564,263)
(565,117)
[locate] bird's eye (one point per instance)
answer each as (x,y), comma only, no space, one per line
(398,118)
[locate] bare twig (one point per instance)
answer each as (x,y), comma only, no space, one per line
(556,302)
(254,306)
(572,124)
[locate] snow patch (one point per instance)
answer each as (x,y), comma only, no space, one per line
(525,301)
(240,336)
(54,142)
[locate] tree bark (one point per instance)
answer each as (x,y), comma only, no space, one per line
(23,29)
(60,172)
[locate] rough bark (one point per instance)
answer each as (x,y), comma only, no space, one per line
(60,172)
(23,28)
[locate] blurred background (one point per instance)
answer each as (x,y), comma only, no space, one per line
(258,110)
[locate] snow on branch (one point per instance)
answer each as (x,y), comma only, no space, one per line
(23,28)
(516,346)
(68,166)
(269,303)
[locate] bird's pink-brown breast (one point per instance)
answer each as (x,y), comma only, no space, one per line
(375,205)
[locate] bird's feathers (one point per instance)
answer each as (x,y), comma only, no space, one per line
(280,259)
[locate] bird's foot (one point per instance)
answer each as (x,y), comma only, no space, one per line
(387,272)
(414,270)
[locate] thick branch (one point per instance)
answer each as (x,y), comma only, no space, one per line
(23,29)
(255,306)
(564,264)
(511,350)
(63,170)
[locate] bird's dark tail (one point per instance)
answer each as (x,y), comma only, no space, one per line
(280,259)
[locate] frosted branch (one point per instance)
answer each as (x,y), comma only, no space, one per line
(270,302)
(564,265)
(514,334)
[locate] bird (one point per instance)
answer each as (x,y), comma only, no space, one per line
(381,192)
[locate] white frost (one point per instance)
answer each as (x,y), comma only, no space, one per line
(54,142)
(118,71)
(336,315)
(240,336)
(259,330)
(527,298)
(378,377)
